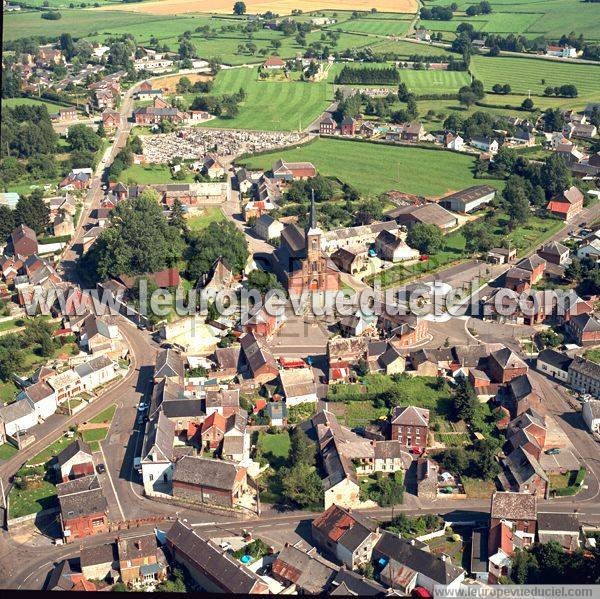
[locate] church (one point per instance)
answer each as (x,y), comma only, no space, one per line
(302,263)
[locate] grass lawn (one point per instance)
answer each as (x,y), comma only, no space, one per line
(208,215)
(359,413)
(593,355)
(51,451)
(274,444)
(559,481)
(7,451)
(373,26)
(106,415)
(8,392)
(151,174)
(12,102)
(376,168)
(526,74)
(271,105)
(7,325)
(31,501)
(95,434)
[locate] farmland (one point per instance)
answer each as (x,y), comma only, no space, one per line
(282,7)
(551,18)
(373,26)
(525,74)
(271,105)
(376,168)
(84,22)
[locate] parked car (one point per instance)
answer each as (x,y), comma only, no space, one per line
(552,451)
(141,326)
(416,450)
(100,468)
(142,407)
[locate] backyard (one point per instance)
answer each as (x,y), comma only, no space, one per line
(153,174)
(198,222)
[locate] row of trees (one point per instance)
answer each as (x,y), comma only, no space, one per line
(437,13)
(225,105)
(368,76)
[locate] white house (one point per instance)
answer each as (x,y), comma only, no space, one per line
(75,460)
(42,397)
(591,414)
(157,456)
(266,227)
(18,416)
(485,144)
(590,250)
(554,363)
(96,372)
(457,143)
(298,386)
(561,51)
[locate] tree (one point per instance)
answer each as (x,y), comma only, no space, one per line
(555,176)
(239,8)
(454,460)
(47,346)
(33,212)
(516,200)
(550,338)
(7,222)
(466,96)
(138,240)
(262,281)
(527,104)
(66,45)
(301,485)
(425,238)
(207,245)
(362,367)
(465,401)
(483,461)
(302,449)
(82,137)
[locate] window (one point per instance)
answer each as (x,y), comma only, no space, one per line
(97,522)
(151,477)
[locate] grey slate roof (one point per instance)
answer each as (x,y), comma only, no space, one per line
(205,471)
(347,582)
(428,564)
(513,506)
(555,358)
(182,408)
(230,575)
(71,450)
(557,522)
(13,411)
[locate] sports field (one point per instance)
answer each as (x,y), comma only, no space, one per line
(434,82)
(376,168)
(281,7)
(271,105)
(12,102)
(526,74)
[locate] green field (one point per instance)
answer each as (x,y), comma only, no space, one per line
(532,18)
(405,48)
(201,221)
(151,174)
(271,105)
(79,21)
(12,102)
(7,451)
(33,500)
(526,74)
(434,82)
(373,26)
(376,168)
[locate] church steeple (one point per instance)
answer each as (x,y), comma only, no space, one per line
(312,224)
(313,233)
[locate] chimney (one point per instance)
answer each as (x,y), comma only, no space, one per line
(443,557)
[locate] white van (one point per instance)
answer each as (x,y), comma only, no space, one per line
(137,464)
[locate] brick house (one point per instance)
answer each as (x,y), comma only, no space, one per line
(348,126)
(213,430)
(111,120)
(24,241)
(504,365)
(410,426)
(138,559)
(327,126)
(206,480)
(210,566)
(567,205)
(554,252)
(348,537)
(584,329)
(83,508)
(260,361)
(513,524)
